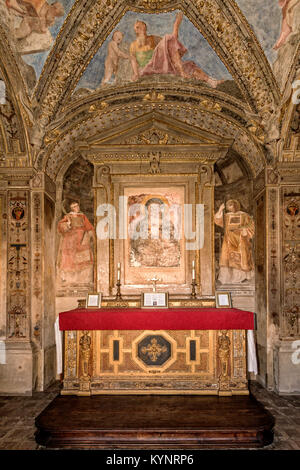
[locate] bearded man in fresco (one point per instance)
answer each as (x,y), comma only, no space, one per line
(236,261)
(75,256)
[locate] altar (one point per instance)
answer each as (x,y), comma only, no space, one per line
(180,350)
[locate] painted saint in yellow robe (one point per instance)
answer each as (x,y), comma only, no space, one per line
(236,260)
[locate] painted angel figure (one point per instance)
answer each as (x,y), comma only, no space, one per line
(114,54)
(36,16)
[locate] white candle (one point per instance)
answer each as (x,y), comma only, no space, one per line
(119,271)
(193,270)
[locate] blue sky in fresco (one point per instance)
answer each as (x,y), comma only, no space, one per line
(198,48)
(38,60)
(264,16)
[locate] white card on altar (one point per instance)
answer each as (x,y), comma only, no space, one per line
(93,300)
(155,300)
(223,300)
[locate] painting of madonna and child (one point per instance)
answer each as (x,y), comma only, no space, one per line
(145,46)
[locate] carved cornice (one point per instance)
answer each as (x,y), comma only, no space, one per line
(187,154)
(289,173)
(16,177)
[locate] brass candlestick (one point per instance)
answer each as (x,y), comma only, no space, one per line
(118,295)
(193,293)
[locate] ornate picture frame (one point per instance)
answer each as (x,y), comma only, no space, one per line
(155,300)
(223,300)
(93,300)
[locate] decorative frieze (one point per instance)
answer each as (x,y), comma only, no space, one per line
(290,325)
(36,273)
(273,255)
(18,301)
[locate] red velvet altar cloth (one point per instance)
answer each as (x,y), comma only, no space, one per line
(156,319)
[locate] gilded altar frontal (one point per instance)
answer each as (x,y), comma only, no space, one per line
(158,362)
(149,147)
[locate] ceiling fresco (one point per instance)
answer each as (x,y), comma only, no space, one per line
(114,63)
(264,17)
(274,22)
(32,26)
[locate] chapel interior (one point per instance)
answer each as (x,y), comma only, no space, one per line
(210,120)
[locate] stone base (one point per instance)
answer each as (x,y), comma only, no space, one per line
(287,367)
(16,372)
(44,368)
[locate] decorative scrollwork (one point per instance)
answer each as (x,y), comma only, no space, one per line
(85,353)
(224,354)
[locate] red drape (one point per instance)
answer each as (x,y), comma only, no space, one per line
(157,319)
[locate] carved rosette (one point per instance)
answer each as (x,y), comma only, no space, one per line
(154,350)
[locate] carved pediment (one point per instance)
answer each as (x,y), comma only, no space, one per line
(155,129)
(155,136)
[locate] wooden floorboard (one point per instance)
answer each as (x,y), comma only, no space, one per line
(154,422)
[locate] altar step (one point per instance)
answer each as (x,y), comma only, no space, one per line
(154,422)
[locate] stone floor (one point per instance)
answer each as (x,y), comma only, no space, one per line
(17,415)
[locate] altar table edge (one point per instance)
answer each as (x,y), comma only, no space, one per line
(149,319)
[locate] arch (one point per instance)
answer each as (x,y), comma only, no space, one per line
(16,91)
(104,118)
